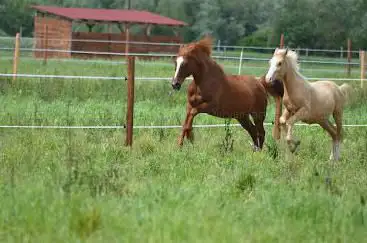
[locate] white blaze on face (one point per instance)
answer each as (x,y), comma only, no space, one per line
(179,62)
(272,69)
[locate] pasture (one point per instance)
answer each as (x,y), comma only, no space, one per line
(83,185)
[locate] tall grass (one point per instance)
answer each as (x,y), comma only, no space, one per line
(85,186)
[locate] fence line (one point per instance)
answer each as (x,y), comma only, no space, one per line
(149,63)
(178,44)
(154,126)
(136,78)
(171,55)
(60,76)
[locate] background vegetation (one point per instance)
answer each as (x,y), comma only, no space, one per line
(306,23)
(83,185)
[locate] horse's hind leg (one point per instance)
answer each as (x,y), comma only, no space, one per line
(250,128)
(332,132)
(259,124)
(338,116)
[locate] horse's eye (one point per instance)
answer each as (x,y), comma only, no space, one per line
(279,63)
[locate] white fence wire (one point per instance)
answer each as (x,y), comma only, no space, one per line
(237,58)
(155,126)
(168,55)
(136,78)
(155,63)
(32,40)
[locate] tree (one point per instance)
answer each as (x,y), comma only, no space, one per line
(16,15)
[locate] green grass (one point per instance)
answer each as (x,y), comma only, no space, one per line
(85,186)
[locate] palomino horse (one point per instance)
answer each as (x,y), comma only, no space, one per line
(215,93)
(311,103)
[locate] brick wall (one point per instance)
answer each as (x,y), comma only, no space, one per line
(58,33)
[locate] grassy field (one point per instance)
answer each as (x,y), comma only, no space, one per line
(61,185)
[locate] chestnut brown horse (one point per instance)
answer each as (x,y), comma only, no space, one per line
(220,95)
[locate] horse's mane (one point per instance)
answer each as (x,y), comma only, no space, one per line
(291,59)
(200,51)
(204,45)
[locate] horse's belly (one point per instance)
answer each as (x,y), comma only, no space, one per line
(228,113)
(309,121)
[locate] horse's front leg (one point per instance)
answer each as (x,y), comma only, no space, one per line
(183,133)
(282,121)
(187,126)
(301,114)
(191,112)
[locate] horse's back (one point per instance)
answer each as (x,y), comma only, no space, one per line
(327,94)
(250,88)
(249,82)
(326,88)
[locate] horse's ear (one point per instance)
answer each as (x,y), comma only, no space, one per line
(286,52)
(276,50)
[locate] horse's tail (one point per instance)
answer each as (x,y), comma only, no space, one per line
(346,90)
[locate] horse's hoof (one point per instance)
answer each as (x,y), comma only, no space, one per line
(256,149)
(293,146)
(292,149)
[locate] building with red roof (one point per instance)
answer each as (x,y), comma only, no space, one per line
(53,29)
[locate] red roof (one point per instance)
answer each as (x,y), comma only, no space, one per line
(110,15)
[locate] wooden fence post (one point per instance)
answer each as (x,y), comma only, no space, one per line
(127,39)
(362,58)
(16,56)
(341,52)
(281,41)
(45,46)
(130,101)
(349,57)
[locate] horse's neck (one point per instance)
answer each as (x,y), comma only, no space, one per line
(210,78)
(295,84)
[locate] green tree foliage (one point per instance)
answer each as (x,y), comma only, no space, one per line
(15,15)
(306,23)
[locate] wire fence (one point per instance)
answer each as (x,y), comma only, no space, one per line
(166,64)
(169,55)
(30,41)
(156,126)
(143,78)
(137,78)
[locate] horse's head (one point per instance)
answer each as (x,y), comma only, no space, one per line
(277,66)
(189,60)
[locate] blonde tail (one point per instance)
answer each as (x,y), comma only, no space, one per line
(346,90)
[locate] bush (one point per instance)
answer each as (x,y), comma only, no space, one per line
(261,37)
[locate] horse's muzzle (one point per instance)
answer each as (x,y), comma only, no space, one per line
(176,85)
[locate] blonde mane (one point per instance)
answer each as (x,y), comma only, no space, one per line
(292,60)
